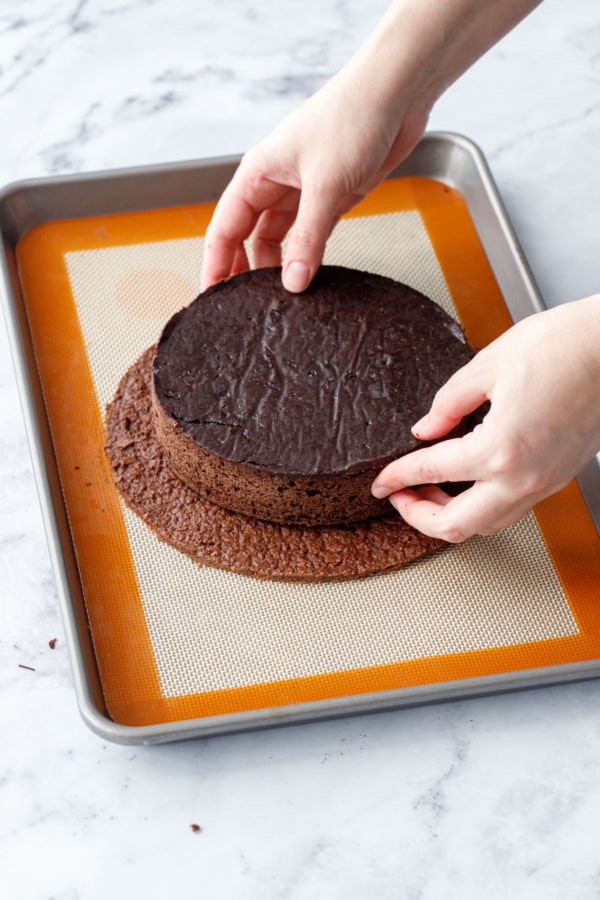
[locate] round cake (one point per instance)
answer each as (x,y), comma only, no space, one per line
(213,536)
(285,406)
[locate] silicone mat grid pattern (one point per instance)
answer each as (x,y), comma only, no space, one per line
(212,630)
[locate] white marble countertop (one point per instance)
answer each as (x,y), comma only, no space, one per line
(495,797)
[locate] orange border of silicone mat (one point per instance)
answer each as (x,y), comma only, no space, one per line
(126,662)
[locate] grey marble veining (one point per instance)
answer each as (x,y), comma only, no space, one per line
(496,797)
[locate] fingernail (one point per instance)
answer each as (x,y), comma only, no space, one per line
(296,277)
(379,492)
(419,425)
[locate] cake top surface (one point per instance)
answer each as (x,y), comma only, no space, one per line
(326,381)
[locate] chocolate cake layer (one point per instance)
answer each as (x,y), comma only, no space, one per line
(285,406)
(216,537)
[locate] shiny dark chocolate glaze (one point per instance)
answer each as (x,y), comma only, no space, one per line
(326,381)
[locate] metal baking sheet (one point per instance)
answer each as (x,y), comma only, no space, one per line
(450,159)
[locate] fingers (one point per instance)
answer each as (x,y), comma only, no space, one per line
(463,393)
(236,215)
(268,217)
(317,214)
(458,459)
(224,239)
(240,261)
(271,229)
(429,516)
(482,509)
(522,452)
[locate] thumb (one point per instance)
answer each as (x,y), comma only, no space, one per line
(462,394)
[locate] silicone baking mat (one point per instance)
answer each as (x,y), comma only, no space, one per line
(176,641)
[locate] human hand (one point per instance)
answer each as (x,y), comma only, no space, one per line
(316,165)
(542,378)
(323,158)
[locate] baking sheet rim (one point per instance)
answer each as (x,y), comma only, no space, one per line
(45,470)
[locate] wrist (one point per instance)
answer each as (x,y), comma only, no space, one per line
(587,313)
(420,47)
